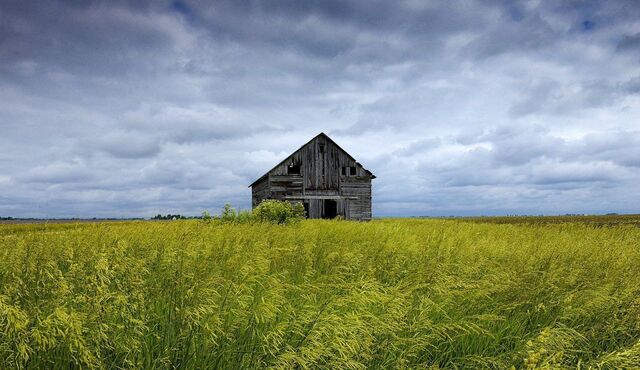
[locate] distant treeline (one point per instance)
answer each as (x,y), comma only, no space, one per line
(169,216)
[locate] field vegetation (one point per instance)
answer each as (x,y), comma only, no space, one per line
(592,220)
(393,293)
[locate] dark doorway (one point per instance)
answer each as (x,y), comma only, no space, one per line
(330,209)
(306,209)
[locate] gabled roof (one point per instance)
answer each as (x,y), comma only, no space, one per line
(322,134)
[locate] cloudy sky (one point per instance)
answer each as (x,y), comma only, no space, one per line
(123,109)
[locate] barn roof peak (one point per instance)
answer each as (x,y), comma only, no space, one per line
(321,134)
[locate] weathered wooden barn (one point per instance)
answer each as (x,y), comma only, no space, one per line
(324,177)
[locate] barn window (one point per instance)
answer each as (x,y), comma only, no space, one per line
(321,147)
(348,171)
(293,169)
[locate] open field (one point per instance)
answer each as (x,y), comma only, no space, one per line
(591,220)
(393,293)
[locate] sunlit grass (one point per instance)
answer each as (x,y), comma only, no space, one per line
(330,294)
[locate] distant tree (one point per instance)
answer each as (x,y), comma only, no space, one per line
(206,216)
(228,213)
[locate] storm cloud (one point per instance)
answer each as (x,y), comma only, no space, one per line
(132,108)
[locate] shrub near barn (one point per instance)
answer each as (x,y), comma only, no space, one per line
(269,211)
(278,212)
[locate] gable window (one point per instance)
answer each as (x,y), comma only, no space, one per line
(293,169)
(321,148)
(349,171)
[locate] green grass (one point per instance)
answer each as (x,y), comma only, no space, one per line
(319,294)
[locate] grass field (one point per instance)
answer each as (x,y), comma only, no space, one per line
(396,293)
(591,220)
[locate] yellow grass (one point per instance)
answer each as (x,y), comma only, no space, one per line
(319,294)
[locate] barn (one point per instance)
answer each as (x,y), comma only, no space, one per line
(324,177)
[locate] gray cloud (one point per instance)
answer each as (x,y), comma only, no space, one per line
(57,173)
(130,108)
(554,98)
(629,42)
(128,145)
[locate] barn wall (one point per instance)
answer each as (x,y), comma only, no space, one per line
(315,208)
(260,191)
(359,188)
(313,161)
(286,185)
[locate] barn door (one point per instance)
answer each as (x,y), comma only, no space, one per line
(330,208)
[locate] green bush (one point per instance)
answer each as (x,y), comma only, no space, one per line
(278,212)
(270,211)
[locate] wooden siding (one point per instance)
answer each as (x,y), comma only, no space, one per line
(282,186)
(320,181)
(260,191)
(312,162)
(358,192)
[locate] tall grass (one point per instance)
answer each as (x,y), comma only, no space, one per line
(319,294)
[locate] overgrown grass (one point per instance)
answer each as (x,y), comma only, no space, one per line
(319,294)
